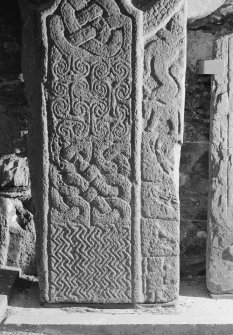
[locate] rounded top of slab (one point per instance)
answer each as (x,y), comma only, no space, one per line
(198,9)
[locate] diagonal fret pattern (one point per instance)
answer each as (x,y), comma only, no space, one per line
(94,268)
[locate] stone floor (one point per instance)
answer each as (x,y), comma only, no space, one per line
(195,313)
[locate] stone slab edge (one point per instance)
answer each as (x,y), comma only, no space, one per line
(165,329)
(220,213)
(136,241)
(39,133)
(11,268)
(221,296)
(35,75)
(152,213)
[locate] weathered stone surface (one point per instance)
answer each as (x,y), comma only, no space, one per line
(21,251)
(220,227)
(7,217)
(14,172)
(160,278)
(163,106)
(157,13)
(199,47)
(90,165)
(159,201)
(159,238)
(86,152)
(17,236)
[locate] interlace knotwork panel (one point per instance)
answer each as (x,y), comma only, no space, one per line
(89,103)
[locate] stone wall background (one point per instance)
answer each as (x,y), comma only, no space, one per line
(195,150)
(195,157)
(13,107)
(194,160)
(17,231)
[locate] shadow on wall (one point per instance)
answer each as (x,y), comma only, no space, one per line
(194,166)
(143,4)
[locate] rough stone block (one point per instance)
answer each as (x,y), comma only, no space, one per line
(159,238)
(159,202)
(17,236)
(89,138)
(14,172)
(21,251)
(220,221)
(160,278)
(163,105)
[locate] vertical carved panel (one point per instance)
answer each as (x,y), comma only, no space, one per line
(220,221)
(98,165)
(90,94)
(163,106)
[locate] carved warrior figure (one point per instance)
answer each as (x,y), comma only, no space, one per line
(105,165)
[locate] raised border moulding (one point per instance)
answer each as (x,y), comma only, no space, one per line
(105,85)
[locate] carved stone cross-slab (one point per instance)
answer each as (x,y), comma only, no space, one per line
(105,83)
(220,223)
